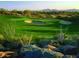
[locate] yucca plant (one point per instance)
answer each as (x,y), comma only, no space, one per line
(25,39)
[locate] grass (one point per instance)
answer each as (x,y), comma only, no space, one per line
(51,27)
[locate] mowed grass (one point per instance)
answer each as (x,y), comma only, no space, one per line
(46,30)
(39,30)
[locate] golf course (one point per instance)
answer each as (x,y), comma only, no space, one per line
(41,28)
(32,34)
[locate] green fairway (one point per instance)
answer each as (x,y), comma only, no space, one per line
(38,27)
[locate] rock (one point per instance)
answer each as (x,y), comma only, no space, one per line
(67,49)
(58,55)
(47,55)
(50,47)
(30,47)
(42,43)
(32,54)
(36,54)
(43,53)
(69,56)
(7,54)
(54,43)
(77,55)
(31,51)
(52,54)
(10,45)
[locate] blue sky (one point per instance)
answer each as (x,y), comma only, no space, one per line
(37,5)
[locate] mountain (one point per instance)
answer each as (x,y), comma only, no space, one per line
(72,10)
(49,10)
(55,10)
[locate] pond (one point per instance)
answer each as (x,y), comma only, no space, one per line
(38,22)
(65,22)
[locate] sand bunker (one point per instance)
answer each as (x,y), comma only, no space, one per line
(28,21)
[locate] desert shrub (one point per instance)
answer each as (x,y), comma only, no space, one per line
(25,39)
(2,48)
(76,38)
(64,39)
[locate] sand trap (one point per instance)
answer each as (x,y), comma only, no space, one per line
(28,21)
(34,22)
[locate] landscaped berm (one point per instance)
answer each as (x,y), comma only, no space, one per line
(44,33)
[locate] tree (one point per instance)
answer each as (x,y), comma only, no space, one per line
(3,11)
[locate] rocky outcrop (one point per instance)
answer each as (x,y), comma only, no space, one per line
(67,49)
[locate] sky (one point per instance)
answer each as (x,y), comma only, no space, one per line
(38,5)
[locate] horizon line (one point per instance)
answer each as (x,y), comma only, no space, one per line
(41,9)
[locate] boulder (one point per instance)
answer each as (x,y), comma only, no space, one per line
(69,56)
(32,54)
(67,49)
(11,45)
(77,55)
(42,43)
(30,47)
(7,54)
(52,54)
(54,43)
(47,55)
(51,47)
(31,51)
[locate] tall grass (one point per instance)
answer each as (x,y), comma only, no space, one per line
(7,28)
(9,33)
(25,39)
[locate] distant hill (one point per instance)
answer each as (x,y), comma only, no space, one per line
(72,10)
(68,10)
